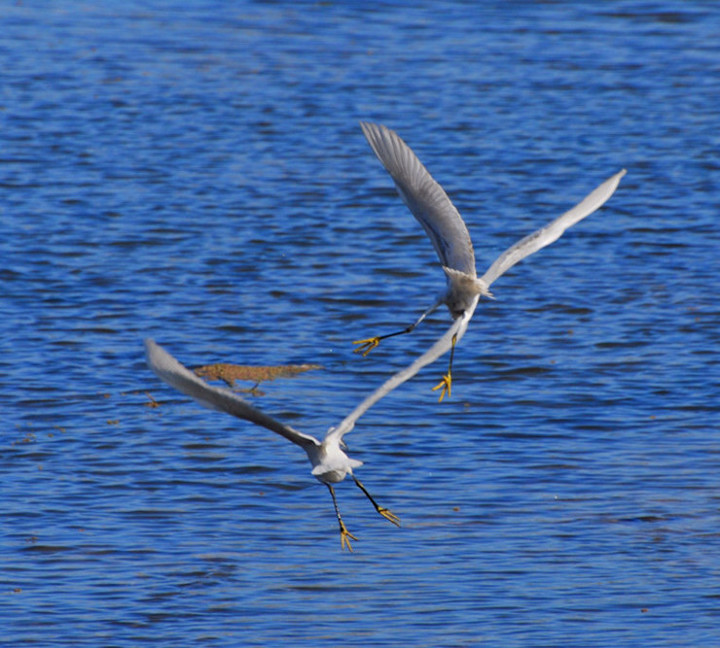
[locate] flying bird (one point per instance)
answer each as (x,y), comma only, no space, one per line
(330,463)
(449,235)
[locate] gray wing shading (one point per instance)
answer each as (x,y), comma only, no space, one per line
(443,345)
(425,198)
(553,231)
(168,369)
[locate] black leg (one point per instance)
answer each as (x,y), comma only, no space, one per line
(367,345)
(446,382)
(345,535)
(386,513)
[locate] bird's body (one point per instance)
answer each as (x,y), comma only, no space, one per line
(461,291)
(449,235)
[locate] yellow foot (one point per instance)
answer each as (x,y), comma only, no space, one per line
(446,384)
(389,515)
(345,537)
(366,345)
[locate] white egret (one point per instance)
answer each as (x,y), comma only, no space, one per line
(330,464)
(449,235)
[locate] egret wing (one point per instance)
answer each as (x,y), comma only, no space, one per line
(168,369)
(443,345)
(553,231)
(425,198)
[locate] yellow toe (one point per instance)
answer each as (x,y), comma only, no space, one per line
(389,515)
(366,345)
(446,385)
(345,537)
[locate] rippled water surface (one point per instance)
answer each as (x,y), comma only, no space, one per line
(195,172)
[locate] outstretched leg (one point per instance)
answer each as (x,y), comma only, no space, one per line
(345,535)
(446,382)
(369,344)
(386,513)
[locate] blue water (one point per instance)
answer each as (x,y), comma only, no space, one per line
(195,172)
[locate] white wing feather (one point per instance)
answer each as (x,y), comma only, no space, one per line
(168,369)
(553,231)
(425,198)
